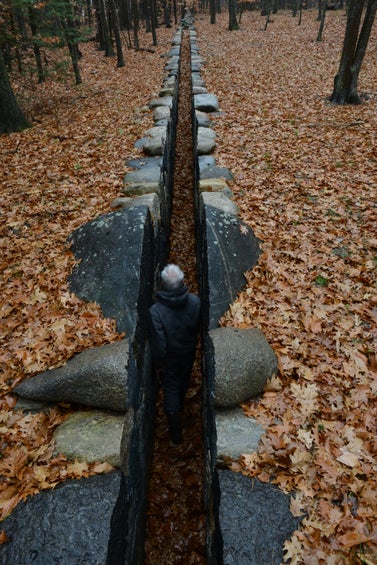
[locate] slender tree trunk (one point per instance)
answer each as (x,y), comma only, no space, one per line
(212,11)
(152,15)
(36,49)
(354,47)
(233,24)
(71,39)
(11,115)
(322,22)
(135,18)
(362,43)
(118,41)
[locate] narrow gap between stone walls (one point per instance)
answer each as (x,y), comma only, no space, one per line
(175,514)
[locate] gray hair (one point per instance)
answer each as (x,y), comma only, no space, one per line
(172,277)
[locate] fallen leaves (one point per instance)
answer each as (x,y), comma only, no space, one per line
(61,173)
(305,181)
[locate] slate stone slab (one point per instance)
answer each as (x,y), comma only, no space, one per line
(255,520)
(113,248)
(69,525)
(95,377)
(232,249)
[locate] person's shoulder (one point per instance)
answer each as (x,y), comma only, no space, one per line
(194,298)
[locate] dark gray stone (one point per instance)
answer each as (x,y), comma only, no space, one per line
(161,101)
(232,249)
(243,363)
(211,171)
(95,377)
(255,520)
(69,525)
(144,174)
(144,162)
(116,252)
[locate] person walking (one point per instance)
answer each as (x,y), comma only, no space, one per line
(174,326)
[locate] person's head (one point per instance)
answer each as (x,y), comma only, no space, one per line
(172,277)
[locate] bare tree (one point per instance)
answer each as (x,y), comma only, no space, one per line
(11,115)
(354,48)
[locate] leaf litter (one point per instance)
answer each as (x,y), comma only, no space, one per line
(305,181)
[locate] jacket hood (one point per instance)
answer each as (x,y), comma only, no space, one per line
(173,298)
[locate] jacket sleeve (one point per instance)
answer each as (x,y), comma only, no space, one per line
(157,337)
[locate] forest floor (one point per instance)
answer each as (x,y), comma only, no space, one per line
(305,180)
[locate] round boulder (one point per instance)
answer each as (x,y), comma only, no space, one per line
(243,363)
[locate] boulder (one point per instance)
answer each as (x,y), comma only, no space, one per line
(144,174)
(154,140)
(232,249)
(151,200)
(221,201)
(206,102)
(206,142)
(236,433)
(213,185)
(161,113)
(211,170)
(140,188)
(95,377)
(203,119)
(161,101)
(91,436)
(243,362)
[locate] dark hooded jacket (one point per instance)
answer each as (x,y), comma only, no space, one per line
(174,324)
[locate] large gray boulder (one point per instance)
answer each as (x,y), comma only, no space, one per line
(95,377)
(243,362)
(91,436)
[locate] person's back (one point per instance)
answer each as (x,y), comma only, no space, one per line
(177,313)
(174,326)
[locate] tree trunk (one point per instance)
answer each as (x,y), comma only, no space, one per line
(11,116)
(212,11)
(322,22)
(354,47)
(135,18)
(36,49)
(233,24)
(118,41)
(71,39)
(152,14)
